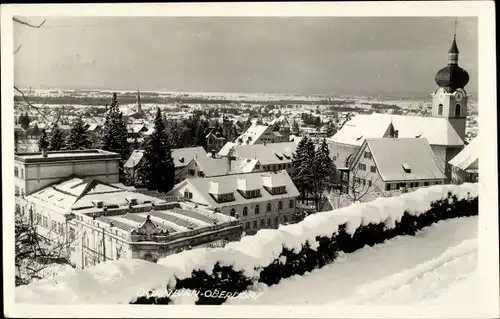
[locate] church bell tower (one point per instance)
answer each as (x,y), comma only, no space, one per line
(450,100)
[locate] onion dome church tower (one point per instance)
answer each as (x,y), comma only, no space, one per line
(450,100)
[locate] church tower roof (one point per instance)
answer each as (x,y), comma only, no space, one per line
(452,77)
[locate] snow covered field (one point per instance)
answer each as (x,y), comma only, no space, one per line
(404,270)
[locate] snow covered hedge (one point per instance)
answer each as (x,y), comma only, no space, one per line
(272,255)
(267,257)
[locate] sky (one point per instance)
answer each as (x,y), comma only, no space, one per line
(312,55)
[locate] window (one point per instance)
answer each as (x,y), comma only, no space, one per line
(201,174)
(22,172)
(233,212)
(280,205)
(440,109)
(221,198)
(245,211)
(387,187)
(268,209)
(373,169)
(368,155)
(16,172)
(369,183)
(290,204)
(457,110)
(17,190)
(257,209)
(18,208)
(269,222)
(254,224)
(247,225)
(276,220)
(262,223)
(191,172)
(285,218)
(188,194)
(362,166)
(426,183)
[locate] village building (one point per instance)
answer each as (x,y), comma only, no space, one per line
(465,166)
(384,165)
(210,167)
(34,171)
(260,134)
(98,222)
(271,156)
(445,130)
(181,157)
(259,200)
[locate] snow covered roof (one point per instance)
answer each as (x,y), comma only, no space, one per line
(403,159)
(202,186)
(438,131)
(253,133)
(80,193)
(182,156)
(268,154)
(468,158)
(134,159)
(219,166)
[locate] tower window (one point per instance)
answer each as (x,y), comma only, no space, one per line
(457,110)
(440,109)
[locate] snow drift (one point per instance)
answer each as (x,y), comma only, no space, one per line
(268,256)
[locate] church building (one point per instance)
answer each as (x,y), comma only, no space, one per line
(444,130)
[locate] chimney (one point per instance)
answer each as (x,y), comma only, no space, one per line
(44,152)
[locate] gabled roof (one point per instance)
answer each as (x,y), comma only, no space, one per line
(134,159)
(253,133)
(438,131)
(266,154)
(202,186)
(182,156)
(393,155)
(78,193)
(219,166)
(468,158)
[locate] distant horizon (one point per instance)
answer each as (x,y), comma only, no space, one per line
(142,90)
(366,56)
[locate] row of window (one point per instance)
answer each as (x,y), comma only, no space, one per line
(291,204)
(16,172)
(362,167)
(19,191)
(276,167)
(362,181)
(255,225)
(396,186)
(42,220)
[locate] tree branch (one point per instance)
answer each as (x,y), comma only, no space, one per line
(29,24)
(39,108)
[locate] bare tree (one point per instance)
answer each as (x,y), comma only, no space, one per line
(35,254)
(360,185)
(25,96)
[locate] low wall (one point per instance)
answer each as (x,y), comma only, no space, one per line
(272,255)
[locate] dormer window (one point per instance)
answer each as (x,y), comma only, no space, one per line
(276,190)
(406,167)
(181,159)
(250,193)
(223,198)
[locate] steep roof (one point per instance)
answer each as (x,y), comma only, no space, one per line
(392,154)
(253,133)
(468,158)
(182,156)
(438,131)
(266,154)
(230,182)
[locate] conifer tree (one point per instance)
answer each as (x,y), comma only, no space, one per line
(43,142)
(295,128)
(299,161)
(56,142)
(324,171)
(36,130)
(78,137)
(114,133)
(157,170)
(24,120)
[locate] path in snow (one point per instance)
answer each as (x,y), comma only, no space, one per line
(406,269)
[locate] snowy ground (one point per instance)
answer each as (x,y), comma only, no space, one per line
(436,265)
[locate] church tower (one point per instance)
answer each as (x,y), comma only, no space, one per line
(139,106)
(450,100)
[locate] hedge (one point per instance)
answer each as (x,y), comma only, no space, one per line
(323,250)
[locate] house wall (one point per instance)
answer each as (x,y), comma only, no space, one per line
(39,175)
(365,174)
(251,217)
(459,176)
(340,152)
